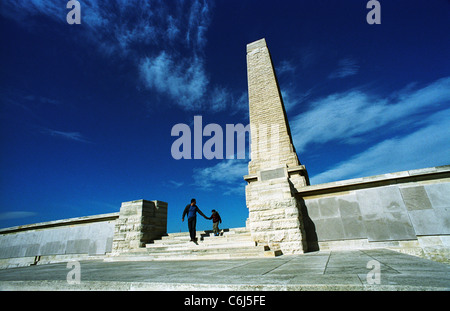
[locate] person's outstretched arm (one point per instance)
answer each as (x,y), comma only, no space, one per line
(186,209)
(200,212)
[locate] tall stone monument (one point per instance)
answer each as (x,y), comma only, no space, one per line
(274,172)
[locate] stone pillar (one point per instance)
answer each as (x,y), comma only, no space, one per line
(275,172)
(139,223)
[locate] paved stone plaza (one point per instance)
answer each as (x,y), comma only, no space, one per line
(344,270)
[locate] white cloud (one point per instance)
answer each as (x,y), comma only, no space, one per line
(174,184)
(346,116)
(220,97)
(172,28)
(226,177)
(346,67)
(165,40)
(75,136)
(239,104)
(198,22)
(184,82)
(116,26)
(428,146)
(291,98)
(285,67)
(16,215)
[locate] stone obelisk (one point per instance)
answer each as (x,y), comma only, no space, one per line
(274,172)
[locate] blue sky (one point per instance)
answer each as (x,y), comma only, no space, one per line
(87,110)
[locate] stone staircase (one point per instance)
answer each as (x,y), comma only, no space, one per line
(232,243)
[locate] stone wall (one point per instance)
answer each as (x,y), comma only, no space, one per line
(408,211)
(67,238)
(83,238)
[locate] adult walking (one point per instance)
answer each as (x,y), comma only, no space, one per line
(191,211)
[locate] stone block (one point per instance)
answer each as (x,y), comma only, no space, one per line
(284,224)
(399,226)
(53,248)
(96,248)
(274,173)
(313,208)
(380,200)
(328,207)
(415,198)
(270,214)
(80,246)
(354,227)
(391,199)
(439,194)
(348,206)
(32,250)
(431,221)
(260,225)
(329,229)
(369,202)
(376,227)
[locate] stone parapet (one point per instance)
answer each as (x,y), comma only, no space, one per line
(139,223)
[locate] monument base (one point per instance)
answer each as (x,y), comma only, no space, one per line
(275,215)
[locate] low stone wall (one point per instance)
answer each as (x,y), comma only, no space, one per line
(83,238)
(408,211)
(67,238)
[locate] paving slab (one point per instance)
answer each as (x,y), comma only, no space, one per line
(313,271)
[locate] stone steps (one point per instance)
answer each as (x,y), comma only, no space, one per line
(191,246)
(211,240)
(232,243)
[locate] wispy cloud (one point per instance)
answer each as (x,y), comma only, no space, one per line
(74,136)
(198,22)
(212,178)
(398,153)
(346,67)
(285,67)
(184,82)
(239,104)
(219,99)
(16,215)
(293,98)
(174,184)
(172,36)
(346,116)
(42,99)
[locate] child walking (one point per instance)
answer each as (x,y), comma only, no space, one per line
(216,220)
